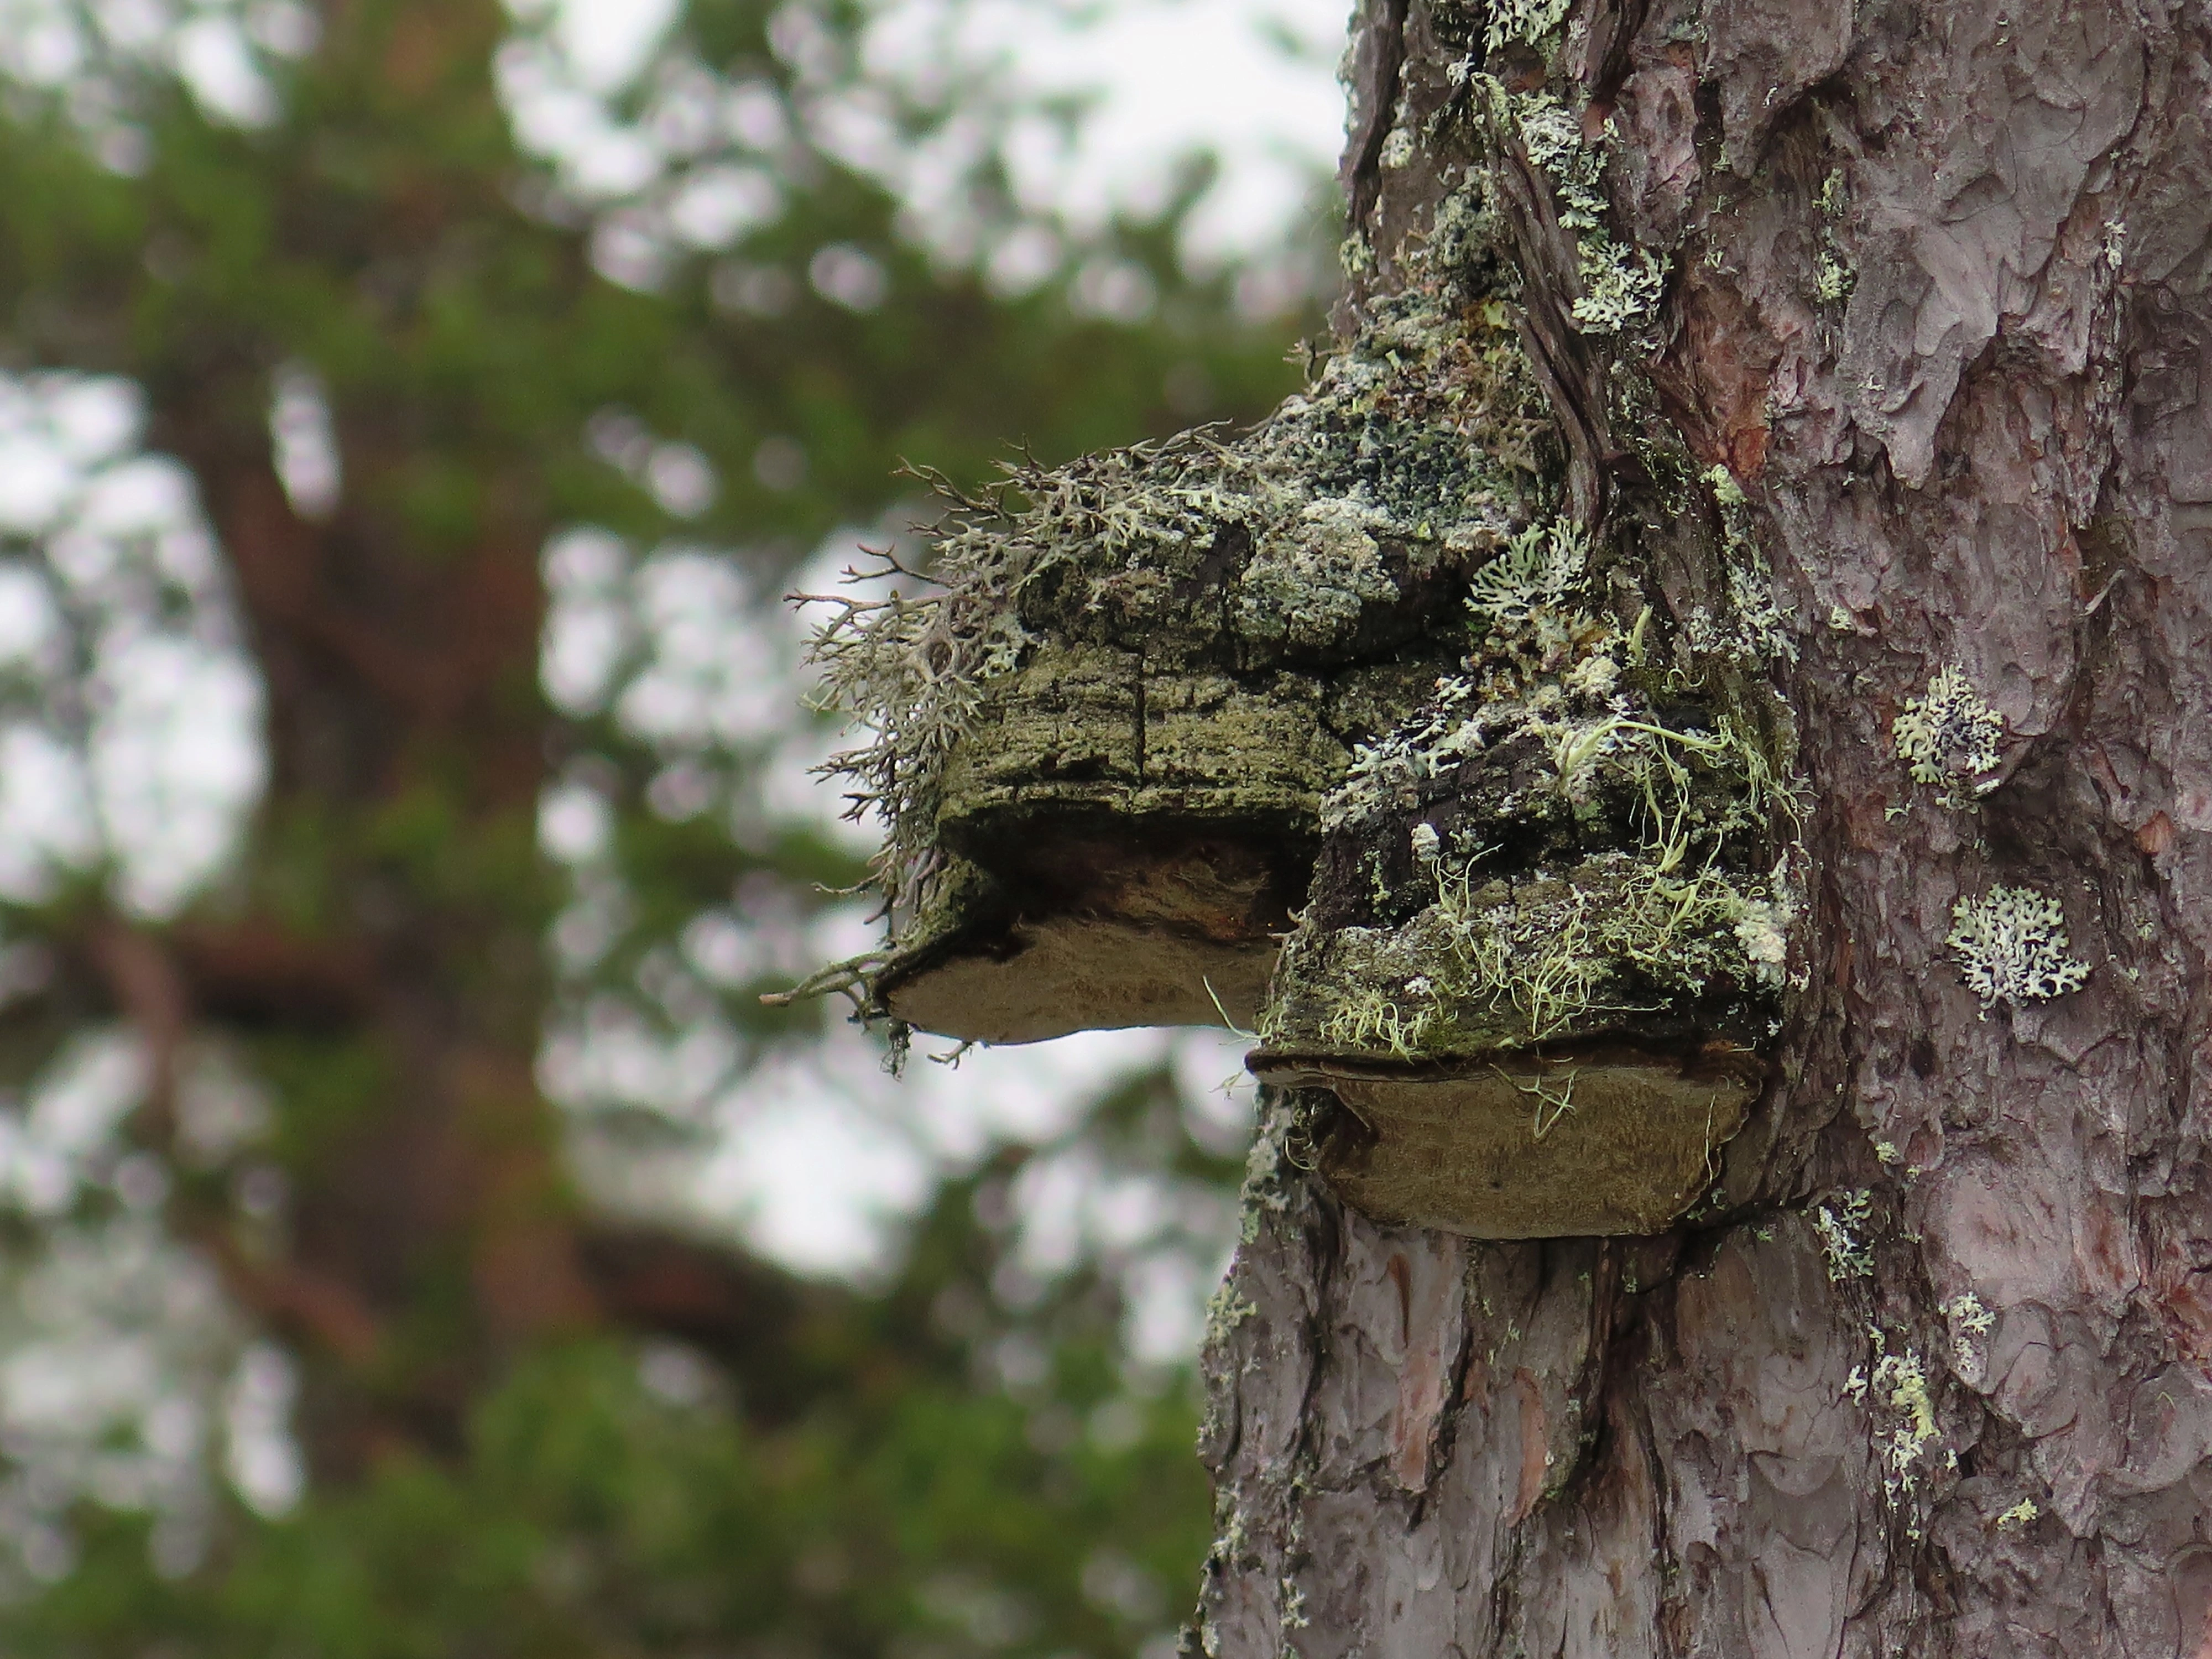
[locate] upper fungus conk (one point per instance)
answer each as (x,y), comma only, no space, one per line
(1101,737)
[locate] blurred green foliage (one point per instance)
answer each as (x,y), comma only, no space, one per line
(618,1502)
(928,1468)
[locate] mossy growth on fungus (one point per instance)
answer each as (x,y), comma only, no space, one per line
(1101,724)
(1559,845)
(1549,926)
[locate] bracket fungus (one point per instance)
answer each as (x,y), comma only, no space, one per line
(1547,931)
(1347,730)
(1100,737)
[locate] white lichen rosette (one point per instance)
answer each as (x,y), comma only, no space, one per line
(2011,945)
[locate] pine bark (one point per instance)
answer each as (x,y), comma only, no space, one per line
(1930,1376)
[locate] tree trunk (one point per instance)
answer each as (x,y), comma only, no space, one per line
(1927,1373)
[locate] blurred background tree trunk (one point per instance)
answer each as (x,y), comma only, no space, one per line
(1927,1373)
(388,953)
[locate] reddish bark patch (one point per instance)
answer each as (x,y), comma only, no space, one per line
(2156,835)
(1535,1452)
(1431,1338)
(1714,378)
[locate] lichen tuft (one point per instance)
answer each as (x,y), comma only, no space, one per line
(1948,737)
(1621,285)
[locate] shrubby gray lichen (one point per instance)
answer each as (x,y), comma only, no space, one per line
(2011,945)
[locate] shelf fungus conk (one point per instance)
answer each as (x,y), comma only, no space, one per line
(1544,942)
(1613,1141)
(1102,728)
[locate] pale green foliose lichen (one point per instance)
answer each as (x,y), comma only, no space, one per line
(1621,285)
(1900,1381)
(2011,945)
(1530,22)
(1839,1225)
(1948,737)
(1756,627)
(1972,1317)
(1537,571)
(1833,277)
(1971,1322)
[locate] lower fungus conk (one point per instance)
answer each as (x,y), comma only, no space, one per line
(1543,1013)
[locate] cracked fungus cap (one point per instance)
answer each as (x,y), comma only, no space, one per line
(1121,844)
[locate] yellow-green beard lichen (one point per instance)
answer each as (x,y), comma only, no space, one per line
(1645,905)
(1949,737)
(2011,945)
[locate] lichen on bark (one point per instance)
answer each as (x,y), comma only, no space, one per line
(1925,1369)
